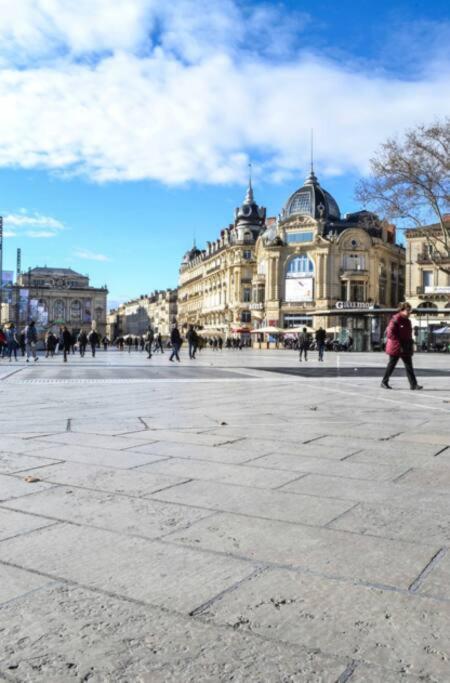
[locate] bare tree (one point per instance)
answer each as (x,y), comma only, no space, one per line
(410,184)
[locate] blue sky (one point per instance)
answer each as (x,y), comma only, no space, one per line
(127,127)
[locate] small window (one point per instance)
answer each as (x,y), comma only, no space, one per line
(427,278)
(246,317)
(296,237)
(247,295)
(247,254)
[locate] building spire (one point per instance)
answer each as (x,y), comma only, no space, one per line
(249,199)
(312,179)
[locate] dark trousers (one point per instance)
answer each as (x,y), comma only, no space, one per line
(321,349)
(407,362)
(175,349)
(93,349)
(192,350)
(304,350)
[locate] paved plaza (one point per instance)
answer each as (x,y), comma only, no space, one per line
(240,517)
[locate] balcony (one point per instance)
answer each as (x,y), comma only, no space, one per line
(256,306)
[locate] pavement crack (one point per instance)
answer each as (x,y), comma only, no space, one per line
(347,673)
(441,451)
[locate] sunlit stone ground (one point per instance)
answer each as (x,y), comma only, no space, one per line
(220,520)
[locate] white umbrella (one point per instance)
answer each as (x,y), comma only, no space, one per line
(300,328)
(442,330)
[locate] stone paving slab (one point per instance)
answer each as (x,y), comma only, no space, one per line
(257,503)
(360,490)
(148,571)
(384,448)
(117,443)
(435,479)
(316,465)
(317,550)
(136,482)
(94,455)
(18,463)
(214,471)
(65,633)
(14,487)
(230,455)
(15,582)
(437,582)
(15,523)
(418,523)
(377,626)
(134,516)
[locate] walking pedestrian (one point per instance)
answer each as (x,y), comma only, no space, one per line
(50,344)
(66,342)
(150,336)
(94,339)
(400,345)
(321,336)
(159,344)
(82,342)
(12,343)
(31,340)
(192,339)
(175,340)
(105,342)
(303,344)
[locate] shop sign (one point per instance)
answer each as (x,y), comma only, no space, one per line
(359,305)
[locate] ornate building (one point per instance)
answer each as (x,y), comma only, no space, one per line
(427,285)
(215,285)
(316,267)
(310,266)
(56,296)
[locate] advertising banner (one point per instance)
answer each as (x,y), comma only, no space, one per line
(87,311)
(299,289)
(7,283)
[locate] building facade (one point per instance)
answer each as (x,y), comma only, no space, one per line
(58,296)
(427,283)
(158,310)
(310,266)
(215,284)
(318,268)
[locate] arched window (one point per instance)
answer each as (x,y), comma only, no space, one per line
(427,304)
(59,310)
(75,310)
(299,266)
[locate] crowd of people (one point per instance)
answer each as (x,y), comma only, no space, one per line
(14,342)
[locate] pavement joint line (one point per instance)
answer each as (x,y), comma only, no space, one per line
(187,526)
(11,601)
(350,455)
(435,560)
(141,419)
(36,467)
(403,474)
(342,514)
(25,495)
(336,476)
(69,425)
(291,481)
(259,569)
(315,438)
(441,451)
(229,442)
(29,531)
(348,672)
(162,458)
(390,437)
(10,374)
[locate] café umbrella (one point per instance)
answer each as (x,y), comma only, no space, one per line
(268,330)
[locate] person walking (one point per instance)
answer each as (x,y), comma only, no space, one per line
(159,344)
(82,342)
(31,340)
(400,345)
(65,342)
(321,336)
(303,344)
(192,338)
(50,344)
(12,343)
(149,339)
(175,340)
(94,340)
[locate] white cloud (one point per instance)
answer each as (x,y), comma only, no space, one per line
(90,255)
(33,225)
(178,92)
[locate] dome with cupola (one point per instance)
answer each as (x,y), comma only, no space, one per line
(312,200)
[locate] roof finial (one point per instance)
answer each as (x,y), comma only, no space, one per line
(312,151)
(249,195)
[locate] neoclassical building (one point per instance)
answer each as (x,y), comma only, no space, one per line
(427,283)
(158,310)
(310,266)
(56,296)
(215,285)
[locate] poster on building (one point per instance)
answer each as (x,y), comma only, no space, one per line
(38,313)
(299,289)
(22,304)
(87,311)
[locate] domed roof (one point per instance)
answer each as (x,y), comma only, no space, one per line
(249,213)
(312,200)
(191,254)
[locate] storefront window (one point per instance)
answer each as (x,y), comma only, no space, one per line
(357,291)
(382,283)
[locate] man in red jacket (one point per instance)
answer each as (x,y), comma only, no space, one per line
(400,345)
